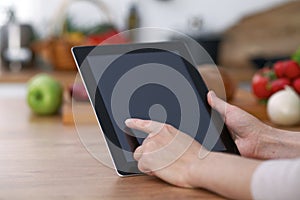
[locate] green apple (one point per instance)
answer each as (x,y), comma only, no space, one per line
(44,95)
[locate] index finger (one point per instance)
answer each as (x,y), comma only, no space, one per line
(147,126)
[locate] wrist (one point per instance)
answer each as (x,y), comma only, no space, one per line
(199,169)
(277,143)
(263,141)
(217,171)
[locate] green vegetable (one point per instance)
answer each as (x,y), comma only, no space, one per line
(70,26)
(296,56)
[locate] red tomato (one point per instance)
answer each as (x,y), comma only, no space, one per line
(261,85)
(279,68)
(279,84)
(296,85)
(292,69)
(109,37)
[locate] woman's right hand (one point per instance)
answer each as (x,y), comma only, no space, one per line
(245,129)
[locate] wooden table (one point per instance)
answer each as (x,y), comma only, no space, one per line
(40,158)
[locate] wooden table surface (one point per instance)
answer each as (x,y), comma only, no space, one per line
(40,158)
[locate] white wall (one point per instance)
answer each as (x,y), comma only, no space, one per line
(217,14)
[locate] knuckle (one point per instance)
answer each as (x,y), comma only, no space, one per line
(144,164)
(169,128)
(141,166)
(148,146)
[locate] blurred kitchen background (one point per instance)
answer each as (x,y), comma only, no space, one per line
(37,35)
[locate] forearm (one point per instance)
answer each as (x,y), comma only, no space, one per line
(225,174)
(278,144)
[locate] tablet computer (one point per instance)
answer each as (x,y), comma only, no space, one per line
(156,81)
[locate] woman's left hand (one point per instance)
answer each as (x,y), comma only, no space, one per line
(166,152)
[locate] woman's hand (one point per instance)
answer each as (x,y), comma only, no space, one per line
(254,138)
(245,129)
(178,159)
(166,152)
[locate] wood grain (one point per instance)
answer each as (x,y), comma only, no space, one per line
(65,77)
(43,159)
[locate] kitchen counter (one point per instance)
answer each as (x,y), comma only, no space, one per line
(43,159)
(23,76)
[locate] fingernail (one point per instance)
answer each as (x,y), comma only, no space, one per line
(129,122)
(212,93)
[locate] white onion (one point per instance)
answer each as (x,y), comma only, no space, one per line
(284,107)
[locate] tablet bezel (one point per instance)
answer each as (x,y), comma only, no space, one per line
(80,54)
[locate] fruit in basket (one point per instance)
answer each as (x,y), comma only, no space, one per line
(284,107)
(74,37)
(44,94)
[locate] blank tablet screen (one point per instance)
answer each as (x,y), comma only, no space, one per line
(151,85)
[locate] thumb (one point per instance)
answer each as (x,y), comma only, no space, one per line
(217,103)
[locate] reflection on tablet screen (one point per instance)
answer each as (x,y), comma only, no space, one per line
(152,100)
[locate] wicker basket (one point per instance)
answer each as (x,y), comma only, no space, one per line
(57,49)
